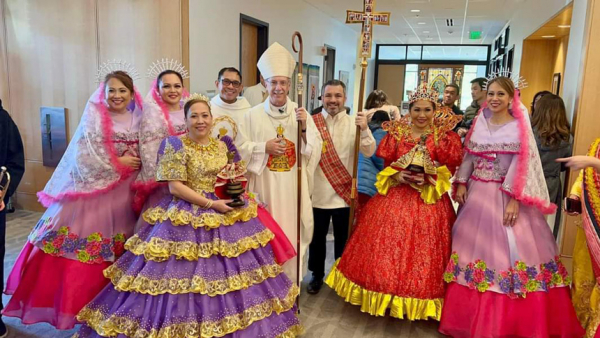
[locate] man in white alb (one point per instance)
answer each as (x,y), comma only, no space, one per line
(271,129)
(256,94)
(333,178)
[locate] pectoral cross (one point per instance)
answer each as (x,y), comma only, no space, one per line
(368,17)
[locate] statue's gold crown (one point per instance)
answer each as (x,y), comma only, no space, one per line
(280,130)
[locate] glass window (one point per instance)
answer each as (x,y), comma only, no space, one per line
(414,53)
(392,53)
(455,53)
(411,80)
(470,73)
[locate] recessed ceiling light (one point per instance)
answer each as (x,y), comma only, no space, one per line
(548,36)
(421,23)
(425,32)
(564,26)
(415,10)
(428,38)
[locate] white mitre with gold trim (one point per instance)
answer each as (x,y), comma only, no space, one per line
(276,61)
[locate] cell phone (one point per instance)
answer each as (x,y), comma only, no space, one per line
(572,205)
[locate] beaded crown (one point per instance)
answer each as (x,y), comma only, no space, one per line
(422,93)
(114,65)
(160,66)
(199,97)
(518,81)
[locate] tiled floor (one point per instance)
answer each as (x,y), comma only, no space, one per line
(323,315)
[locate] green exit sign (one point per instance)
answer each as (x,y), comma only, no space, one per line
(475,35)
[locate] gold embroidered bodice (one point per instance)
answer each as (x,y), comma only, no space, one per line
(193,164)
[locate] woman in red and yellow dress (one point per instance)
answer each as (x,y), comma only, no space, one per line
(396,257)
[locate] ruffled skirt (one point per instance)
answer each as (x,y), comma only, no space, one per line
(396,257)
(60,267)
(192,272)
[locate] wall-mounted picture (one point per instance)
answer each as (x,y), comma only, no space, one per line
(556,83)
(344,77)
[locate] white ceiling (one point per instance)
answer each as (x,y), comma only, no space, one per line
(429,26)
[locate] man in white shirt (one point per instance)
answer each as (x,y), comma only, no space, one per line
(228,108)
(271,129)
(256,94)
(333,179)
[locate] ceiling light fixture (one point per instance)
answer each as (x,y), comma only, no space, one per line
(421,23)
(564,26)
(548,36)
(425,32)
(415,10)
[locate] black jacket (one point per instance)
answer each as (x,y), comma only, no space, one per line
(11,150)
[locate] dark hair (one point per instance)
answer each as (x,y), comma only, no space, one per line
(480,81)
(453,85)
(190,103)
(538,96)
(229,69)
(166,72)
(411,105)
(379,117)
(333,83)
(550,121)
(376,99)
(121,76)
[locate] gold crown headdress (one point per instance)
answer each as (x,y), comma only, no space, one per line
(422,93)
(160,66)
(198,97)
(114,65)
(518,81)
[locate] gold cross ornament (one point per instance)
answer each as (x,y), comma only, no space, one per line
(368,17)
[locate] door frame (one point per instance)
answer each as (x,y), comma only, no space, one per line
(263,37)
(325,68)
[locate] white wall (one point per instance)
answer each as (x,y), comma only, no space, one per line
(215,36)
(575,57)
(527,18)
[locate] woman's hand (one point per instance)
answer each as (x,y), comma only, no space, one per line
(461,194)
(580,162)
(130,161)
(221,206)
(512,213)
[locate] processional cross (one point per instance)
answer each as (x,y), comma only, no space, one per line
(368,17)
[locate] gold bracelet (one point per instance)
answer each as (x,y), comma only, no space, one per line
(209,204)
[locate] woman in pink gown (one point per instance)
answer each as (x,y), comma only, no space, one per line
(505,277)
(89,215)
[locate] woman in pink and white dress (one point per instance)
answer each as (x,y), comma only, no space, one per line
(163,117)
(89,215)
(505,277)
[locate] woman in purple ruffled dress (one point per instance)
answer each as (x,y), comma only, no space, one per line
(199,268)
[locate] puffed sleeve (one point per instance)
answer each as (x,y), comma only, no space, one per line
(449,151)
(387,149)
(172,160)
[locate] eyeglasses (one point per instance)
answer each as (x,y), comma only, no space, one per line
(226,82)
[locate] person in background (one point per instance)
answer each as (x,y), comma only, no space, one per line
(478,93)
(451,94)
(369,167)
(378,100)
(538,96)
(12,157)
(551,132)
(256,94)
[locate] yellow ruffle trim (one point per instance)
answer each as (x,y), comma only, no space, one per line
(196,284)
(159,250)
(208,220)
(115,325)
(376,304)
(292,332)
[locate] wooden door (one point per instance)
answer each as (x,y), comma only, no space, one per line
(249,54)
